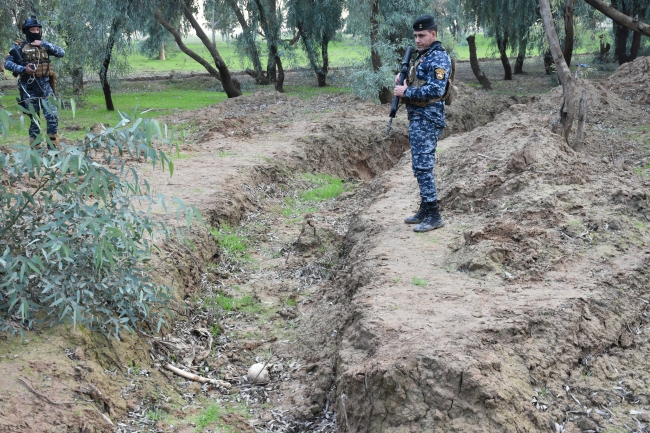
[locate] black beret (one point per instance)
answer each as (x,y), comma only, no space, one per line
(425,22)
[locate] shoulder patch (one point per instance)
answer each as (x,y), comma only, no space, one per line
(440,73)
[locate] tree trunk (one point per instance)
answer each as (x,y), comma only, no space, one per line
(620,43)
(604,48)
(279,82)
(521,56)
(161,54)
(271,70)
(385,94)
(568,109)
(249,36)
(227,39)
(77,77)
(548,62)
(620,18)
(568,31)
(103,71)
(212,27)
(634,48)
(231,86)
(502,43)
(476,68)
(322,73)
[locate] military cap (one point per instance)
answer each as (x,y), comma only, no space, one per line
(425,22)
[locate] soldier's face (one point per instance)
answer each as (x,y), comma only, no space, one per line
(34,30)
(424,38)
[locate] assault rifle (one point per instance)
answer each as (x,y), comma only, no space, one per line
(16,53)
(403,73)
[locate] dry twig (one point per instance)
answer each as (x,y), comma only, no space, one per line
(44,397)
(196,378)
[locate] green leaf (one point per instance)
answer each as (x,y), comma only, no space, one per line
(4,122)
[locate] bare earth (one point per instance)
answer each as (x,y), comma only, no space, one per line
(529,308)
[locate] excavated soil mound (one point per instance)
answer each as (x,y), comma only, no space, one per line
(530,303)
(632,81)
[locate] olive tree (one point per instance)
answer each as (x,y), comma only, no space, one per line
(166,12)
(627,16)
(76,231)
(317,21)
(387,29)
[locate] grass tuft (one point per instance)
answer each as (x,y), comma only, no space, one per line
(233,245)
(419,282)
(331,187)
(209,416)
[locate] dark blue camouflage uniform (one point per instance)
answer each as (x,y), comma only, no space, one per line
(426,123)
(32,90)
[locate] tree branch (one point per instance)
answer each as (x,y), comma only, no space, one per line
(179,41)
(294,40)
(619,17)
(218,61)
(568,110)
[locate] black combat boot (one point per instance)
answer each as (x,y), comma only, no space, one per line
(432,219)
(418,217)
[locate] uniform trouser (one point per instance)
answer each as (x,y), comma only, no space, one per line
(423,136)
(33,93)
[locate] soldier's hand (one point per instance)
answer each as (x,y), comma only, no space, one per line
(397,79)
(36,43)
(30,68)
(399,90)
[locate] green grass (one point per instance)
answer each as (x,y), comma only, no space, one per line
(229,303)
(209,416)
(341,53)
(419,282)
(233,245)
(291,302)
(643,170)
(331,187)
(486,48)
(156,415)
(150,104)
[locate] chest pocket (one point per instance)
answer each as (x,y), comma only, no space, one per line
(39,57)
(450,89)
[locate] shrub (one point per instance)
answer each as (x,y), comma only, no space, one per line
(74,235)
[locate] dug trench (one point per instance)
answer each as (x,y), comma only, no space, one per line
(529,305)
(247,166)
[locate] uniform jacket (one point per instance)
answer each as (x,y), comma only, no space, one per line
(12,64)
(434,67)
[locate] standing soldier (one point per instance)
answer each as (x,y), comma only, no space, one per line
(424,95)
(30,59)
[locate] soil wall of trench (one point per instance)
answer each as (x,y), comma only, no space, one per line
(421,392)
(536,316)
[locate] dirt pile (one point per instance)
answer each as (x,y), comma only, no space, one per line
(632,81)
(510,314)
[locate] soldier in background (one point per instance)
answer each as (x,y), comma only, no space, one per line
(30,61)
(424,95)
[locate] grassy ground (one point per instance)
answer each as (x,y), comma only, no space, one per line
(341,53)
(346,52)
(166,97)
(160,98)
(149,103)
